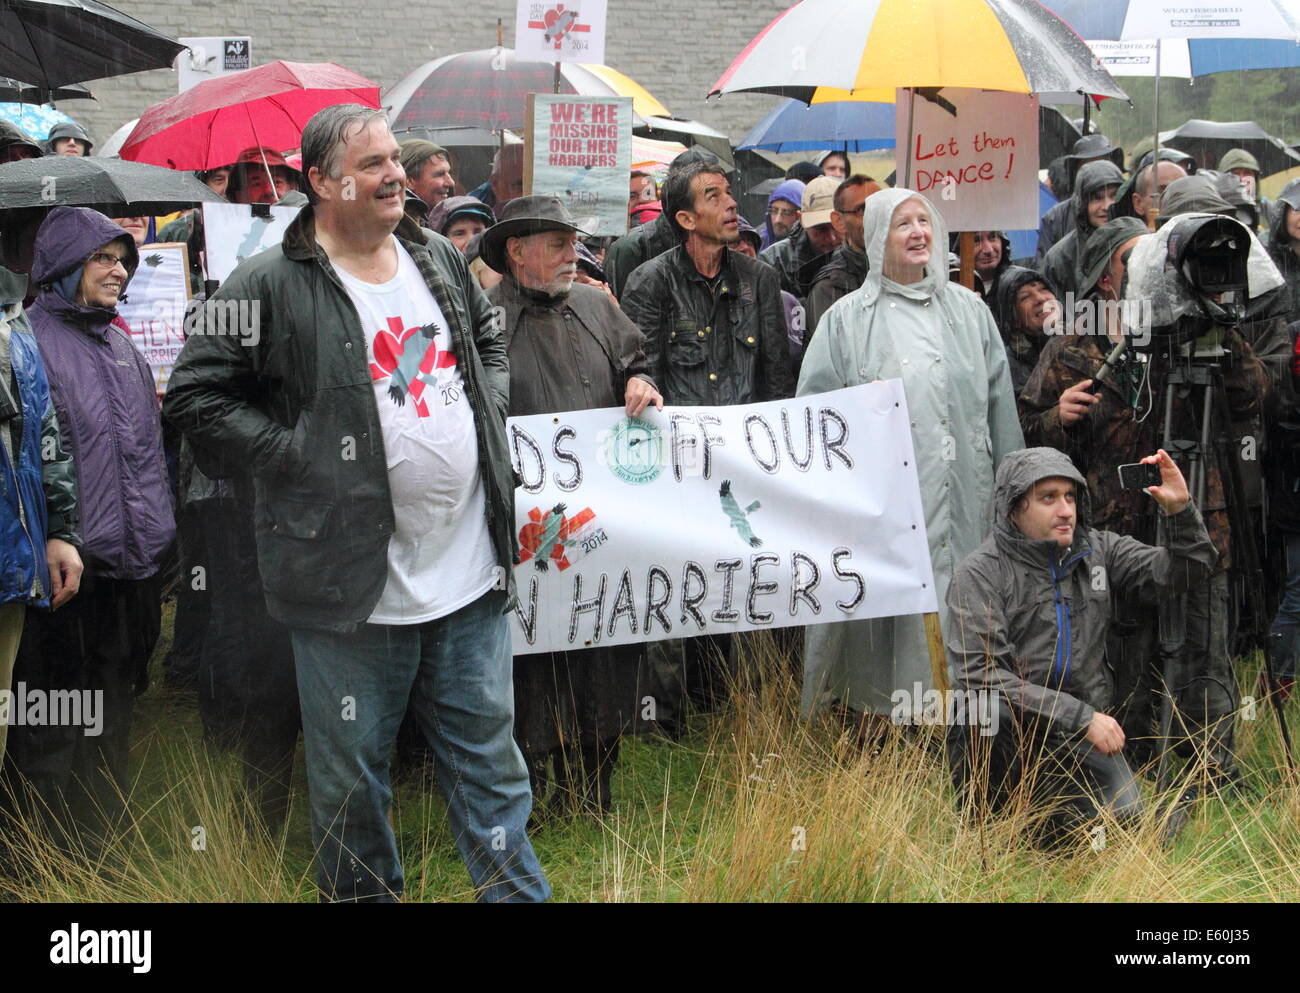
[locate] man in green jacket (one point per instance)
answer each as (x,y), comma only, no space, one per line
(357,372)
(1028,613)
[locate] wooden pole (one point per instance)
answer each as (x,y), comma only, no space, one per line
(938,658)
(966,246)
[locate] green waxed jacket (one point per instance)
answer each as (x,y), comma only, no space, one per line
(294,404)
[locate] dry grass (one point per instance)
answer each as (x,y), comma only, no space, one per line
(756,805)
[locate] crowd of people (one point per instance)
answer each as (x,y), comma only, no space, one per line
(331,507)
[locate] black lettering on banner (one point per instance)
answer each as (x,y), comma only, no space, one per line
(800,590)
(801,464)
(850,576)
(728,568)
(564,433)
(519,440)
(623,603)
(691,601)
(758,589)
(656,602)
(580,606)
(829,445)
(705,421)
(680,440)
(529,621)
(767,465)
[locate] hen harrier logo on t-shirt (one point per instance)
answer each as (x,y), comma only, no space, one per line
(409,358)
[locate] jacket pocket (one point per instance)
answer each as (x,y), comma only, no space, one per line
(297,556)
(686,344)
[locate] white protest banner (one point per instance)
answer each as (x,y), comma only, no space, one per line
(712,520)
(975,157)
(154,308)
(581,152)
(1138,58)
(232,232)
(568,31)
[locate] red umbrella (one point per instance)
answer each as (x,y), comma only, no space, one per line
(210,124)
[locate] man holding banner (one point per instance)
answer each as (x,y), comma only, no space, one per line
(908,322)
(570,348)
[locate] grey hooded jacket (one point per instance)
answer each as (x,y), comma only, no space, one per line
(1029,620)
(1061,264)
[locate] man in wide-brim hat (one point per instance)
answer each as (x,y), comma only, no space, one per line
(570,348)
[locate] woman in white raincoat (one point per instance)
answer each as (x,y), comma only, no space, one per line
(908,322)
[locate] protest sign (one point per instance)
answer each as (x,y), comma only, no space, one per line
(233,232)
(975,156)
(209,58)
(580,150)
(154,307)
(712,520)
(570,31)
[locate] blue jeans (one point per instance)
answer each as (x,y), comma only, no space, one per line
(1286,625)
(354,688)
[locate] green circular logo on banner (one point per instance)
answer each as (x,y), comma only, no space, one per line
(634,451)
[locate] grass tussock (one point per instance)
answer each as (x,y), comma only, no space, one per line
(756,805)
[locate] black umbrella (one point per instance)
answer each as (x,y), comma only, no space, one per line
(1206,141)
(12,91)
(51,43)
(111,186)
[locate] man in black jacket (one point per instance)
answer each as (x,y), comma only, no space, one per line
(713,321)
(369,406)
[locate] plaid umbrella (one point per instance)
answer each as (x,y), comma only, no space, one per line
(489,89)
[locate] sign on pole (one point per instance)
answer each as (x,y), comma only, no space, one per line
(711,520)
(154,309)
(233,232)
(975,156)
(209,58)
(565,31)
(580,150)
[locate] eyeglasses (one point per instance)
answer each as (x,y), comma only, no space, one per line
(857,211)
(783,212)
(106,260)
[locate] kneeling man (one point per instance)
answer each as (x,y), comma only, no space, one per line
(1028,614)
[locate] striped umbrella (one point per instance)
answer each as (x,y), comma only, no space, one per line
(824,50)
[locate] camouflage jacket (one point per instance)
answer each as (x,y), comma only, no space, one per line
(1111,434)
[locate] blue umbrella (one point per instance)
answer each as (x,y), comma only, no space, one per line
(1262,35)
(35,119)
(846,126)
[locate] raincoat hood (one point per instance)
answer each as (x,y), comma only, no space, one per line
(1192,194)
(1288,199)
(66,237)
(1018,472)
(1003,301)
(12,134)
(791,191)
(880,209)
(1093,176)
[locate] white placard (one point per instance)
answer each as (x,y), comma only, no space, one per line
(975,156)
(232,232)
(565,31)
(154,308)
(209,58)
(711,520)
(1138,58)
(1215,19)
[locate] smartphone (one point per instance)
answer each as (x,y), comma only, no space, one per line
(1138,476)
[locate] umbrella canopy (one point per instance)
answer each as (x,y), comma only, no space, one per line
(210,124)
(489,89)
(50,43)
(654,157)
(845,125)
(111,186)
(113,145)
(1196,38)
(1206,141)
(824,50)
(11,90)
(35,119)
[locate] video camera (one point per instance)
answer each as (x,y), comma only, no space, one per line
(1204,285)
